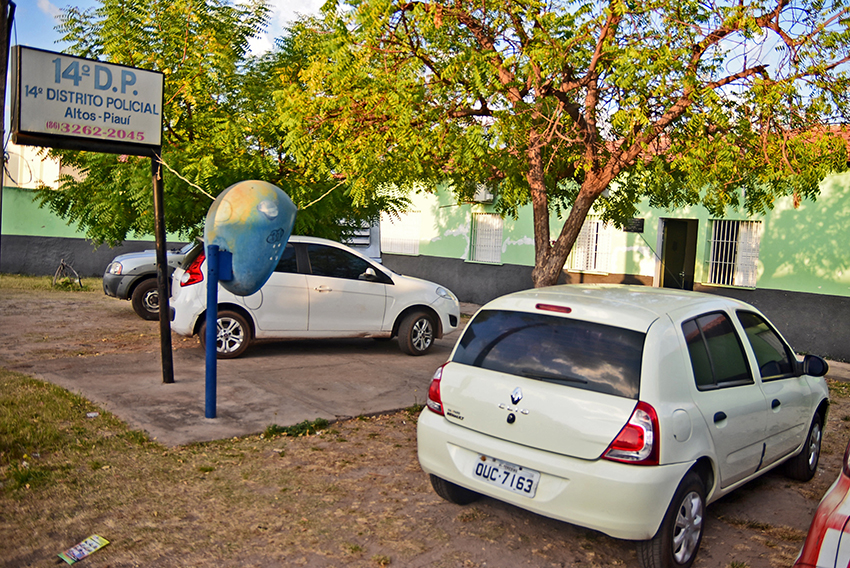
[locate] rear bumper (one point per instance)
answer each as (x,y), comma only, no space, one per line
(620,500)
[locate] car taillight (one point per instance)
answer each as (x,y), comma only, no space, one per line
(638,441)
(193,273)
(435,401)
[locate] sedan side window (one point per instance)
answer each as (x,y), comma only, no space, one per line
(288,262)
(773,355)
(716,353)
(336,263)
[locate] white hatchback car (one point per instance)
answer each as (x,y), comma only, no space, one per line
(320,289)
(624,409)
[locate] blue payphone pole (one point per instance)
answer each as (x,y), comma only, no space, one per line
(219,268)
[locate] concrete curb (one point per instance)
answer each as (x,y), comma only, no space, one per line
(839,371)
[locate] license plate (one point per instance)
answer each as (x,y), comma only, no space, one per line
(507,475)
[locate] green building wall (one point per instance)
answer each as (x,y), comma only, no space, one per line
(802,249)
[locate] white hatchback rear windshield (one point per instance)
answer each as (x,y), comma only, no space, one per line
(574,353)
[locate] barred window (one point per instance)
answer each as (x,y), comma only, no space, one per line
(592,248)
(486,238)
(400,235)
(734,250)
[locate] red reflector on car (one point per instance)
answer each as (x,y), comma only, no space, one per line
(553,308)
(435,400)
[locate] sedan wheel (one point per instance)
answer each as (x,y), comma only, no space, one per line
(233,335)
(416,333)
(803,466)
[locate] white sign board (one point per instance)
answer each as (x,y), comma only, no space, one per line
(60,95)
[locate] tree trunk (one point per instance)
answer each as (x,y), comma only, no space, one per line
(539,204)
(546,273)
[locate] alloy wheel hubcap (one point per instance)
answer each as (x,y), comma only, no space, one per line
(422,334)
(686,533)
(230,335)
(814,446)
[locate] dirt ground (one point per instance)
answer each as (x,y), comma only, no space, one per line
(371,505)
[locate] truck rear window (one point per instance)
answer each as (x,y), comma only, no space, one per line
(574,353)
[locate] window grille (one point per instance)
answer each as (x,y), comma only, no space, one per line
(734,249)
(400,235)
(486,238)
(592,249)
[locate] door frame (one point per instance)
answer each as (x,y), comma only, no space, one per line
(692,226)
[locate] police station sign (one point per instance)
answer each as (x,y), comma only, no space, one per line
(69,102)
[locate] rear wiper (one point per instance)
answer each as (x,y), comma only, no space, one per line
(551,378)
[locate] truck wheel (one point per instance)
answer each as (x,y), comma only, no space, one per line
(145,299)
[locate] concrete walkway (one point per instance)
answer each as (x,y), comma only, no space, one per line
(282,383)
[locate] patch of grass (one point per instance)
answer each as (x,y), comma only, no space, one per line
(415,410)
(40,418)
(70,285)
(25,282)
(838,388)
(782,532)
(737,564)
(305,428)
(206,469)
(381,560)
(26,476)
(354,549)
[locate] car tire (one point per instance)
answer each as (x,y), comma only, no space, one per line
(803,466)
(453,493)
(416,333)
(677,541)
(233,335)
(145,299)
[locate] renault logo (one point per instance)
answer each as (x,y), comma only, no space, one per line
(516,396)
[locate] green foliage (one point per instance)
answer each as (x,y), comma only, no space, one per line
(219,124)
(552,103)
(305,428)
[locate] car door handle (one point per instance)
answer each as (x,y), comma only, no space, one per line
(323,289)
(775,404)
(719,417)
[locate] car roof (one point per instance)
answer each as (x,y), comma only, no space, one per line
(618,305)
(315,240)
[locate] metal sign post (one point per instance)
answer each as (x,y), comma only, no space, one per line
(162,287)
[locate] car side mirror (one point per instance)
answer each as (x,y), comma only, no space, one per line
(370,275)
(815,366)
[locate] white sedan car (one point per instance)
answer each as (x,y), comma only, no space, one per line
(320,289)
(624,409)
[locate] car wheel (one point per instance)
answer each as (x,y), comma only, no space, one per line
(676,543)
(232,336)
(803,466)
(453,493)
(416,333)
(145,299)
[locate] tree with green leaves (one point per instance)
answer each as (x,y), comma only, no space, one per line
(218,124)
(569,106)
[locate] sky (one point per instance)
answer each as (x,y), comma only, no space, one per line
(35,21)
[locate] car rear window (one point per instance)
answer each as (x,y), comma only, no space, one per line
(717,355)
(560,350)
